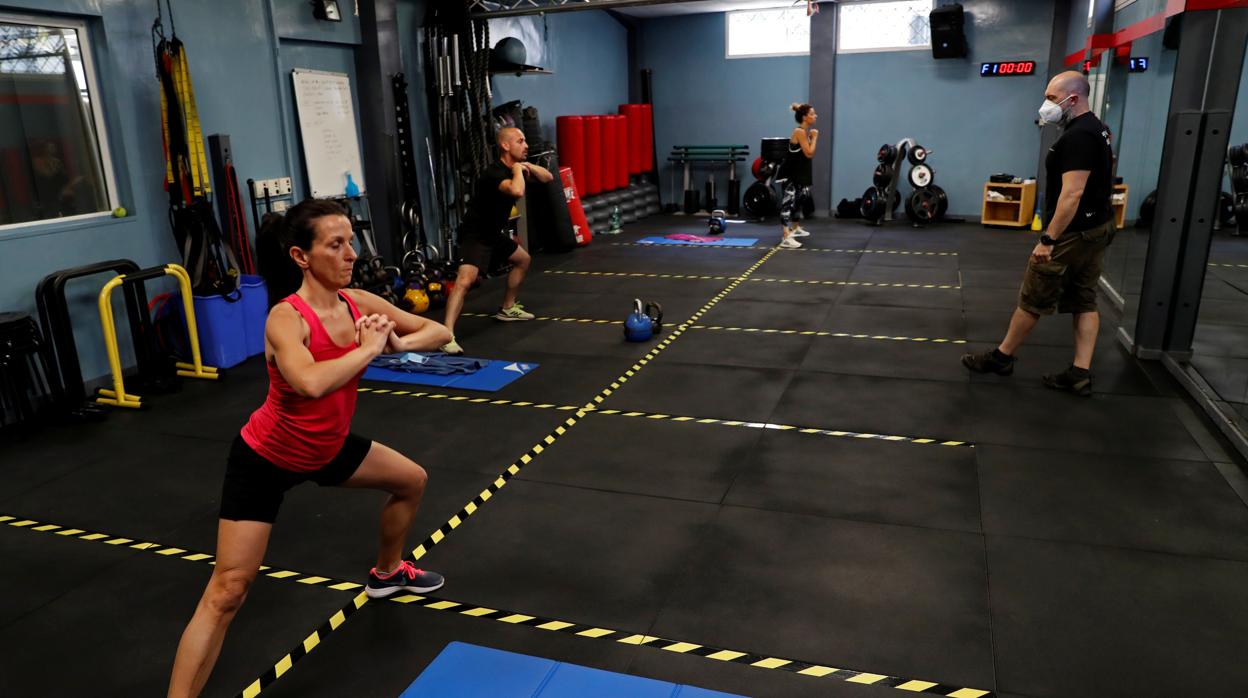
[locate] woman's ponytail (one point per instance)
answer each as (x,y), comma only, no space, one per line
(800,110)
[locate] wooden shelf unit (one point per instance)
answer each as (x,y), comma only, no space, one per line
(1120,209)
(1017,212)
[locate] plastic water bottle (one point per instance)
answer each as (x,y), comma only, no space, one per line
(617,222)
(353,189)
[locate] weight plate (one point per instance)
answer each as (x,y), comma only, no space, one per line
(883,175)
(896,199)
(886,153)
(921,176)
(917,155)
(1238,155)
(942,201)
(923,205)
(872,207)
(1241,212)
(1239,178)
(759,200)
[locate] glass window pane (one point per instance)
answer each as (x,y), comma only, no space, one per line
(785,31)
(49,152)
(883,26)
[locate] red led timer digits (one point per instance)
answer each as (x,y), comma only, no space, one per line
(1007,68)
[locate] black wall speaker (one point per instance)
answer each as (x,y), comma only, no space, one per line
(948,41)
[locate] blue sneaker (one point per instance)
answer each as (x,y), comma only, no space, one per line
(407,577)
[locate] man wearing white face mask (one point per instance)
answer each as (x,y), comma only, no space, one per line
(1065,265)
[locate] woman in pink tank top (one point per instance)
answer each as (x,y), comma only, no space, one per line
(319,338)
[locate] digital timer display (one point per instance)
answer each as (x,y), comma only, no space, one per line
(989,70)
(1137,65)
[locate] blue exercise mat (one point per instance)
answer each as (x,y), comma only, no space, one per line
(495,375)
(469,671)
(721,242)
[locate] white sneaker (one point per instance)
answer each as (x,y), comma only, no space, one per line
(513,314)
(799,233)
(452,348)
(790,244)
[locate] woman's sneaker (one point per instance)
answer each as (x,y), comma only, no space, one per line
(790,244)
(452,348)
(800,233)
(407,577)
(513,314)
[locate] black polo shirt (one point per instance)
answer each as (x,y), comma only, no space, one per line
(1083,145)
(489,208)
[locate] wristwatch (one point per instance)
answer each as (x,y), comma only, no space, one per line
(1047,241)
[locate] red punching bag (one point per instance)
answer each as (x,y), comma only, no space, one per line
(570,136)
(580,225)
(620,123)
(647,137)
(632,112)
(608,153)
(593,155)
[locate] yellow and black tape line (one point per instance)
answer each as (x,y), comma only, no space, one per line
(914,253)
(656,416)
(592,632)
(284,664)
(698,277)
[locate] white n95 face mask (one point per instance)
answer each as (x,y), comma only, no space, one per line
(1052,113)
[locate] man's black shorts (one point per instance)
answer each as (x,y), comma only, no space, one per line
(254,487)
(486,253)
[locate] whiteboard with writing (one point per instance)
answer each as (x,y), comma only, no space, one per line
(331,145)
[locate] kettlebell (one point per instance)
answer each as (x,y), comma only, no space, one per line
(638,327)
(654,312)
(418,299)
(717,223)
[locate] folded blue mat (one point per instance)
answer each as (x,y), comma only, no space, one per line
(469,671)
(721,242)
(492,376)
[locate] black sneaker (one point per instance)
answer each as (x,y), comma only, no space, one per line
(1072,380)
(406,578)
(991,361)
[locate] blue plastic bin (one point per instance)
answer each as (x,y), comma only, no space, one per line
(255,312)
(222,330)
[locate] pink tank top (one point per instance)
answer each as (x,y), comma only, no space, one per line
(300,433)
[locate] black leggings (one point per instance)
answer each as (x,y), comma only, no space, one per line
(795,195)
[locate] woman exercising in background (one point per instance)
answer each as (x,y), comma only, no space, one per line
(319,338)
(795,173)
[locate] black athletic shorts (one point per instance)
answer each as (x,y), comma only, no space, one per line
(254,487)
(486,253)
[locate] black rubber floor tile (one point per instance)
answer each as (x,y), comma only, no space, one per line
(908,322)
(37,456)
(909,260)
(732,348)
(737,312)
(550,282)
(1073,621)
(144,489)
(779,292)
(333,531)
(1010,415)
(861,480)
(677,307)
(572,554)
(740,393)
(25,580)
(876,405)
(888,274)
(454,435)
(903,297)
(701,289)
(587,339)
(1224,312)
(1226,375)
(122,630)
(869,597)
(650,261)
(541,303)
(1183,507)
(1005,279)
(745,680)
(814,264)
(1219,340)
(698,462)
(400,641)
(991,326)
(990,299)
(885,358)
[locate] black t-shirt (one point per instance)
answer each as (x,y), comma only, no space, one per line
(1083,145)
(489,208)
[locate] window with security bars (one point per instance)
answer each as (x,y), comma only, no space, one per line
(884,25)
(779,32)
(52,155)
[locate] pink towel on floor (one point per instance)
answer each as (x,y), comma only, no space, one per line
(685,237)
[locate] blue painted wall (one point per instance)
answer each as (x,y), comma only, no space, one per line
(236,73)
(701,97)
(974,126)
(588,53)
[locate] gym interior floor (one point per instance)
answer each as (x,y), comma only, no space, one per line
(1037,545)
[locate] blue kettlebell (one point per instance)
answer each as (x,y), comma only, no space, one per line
(717,224)
(654,311)
(638,327)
